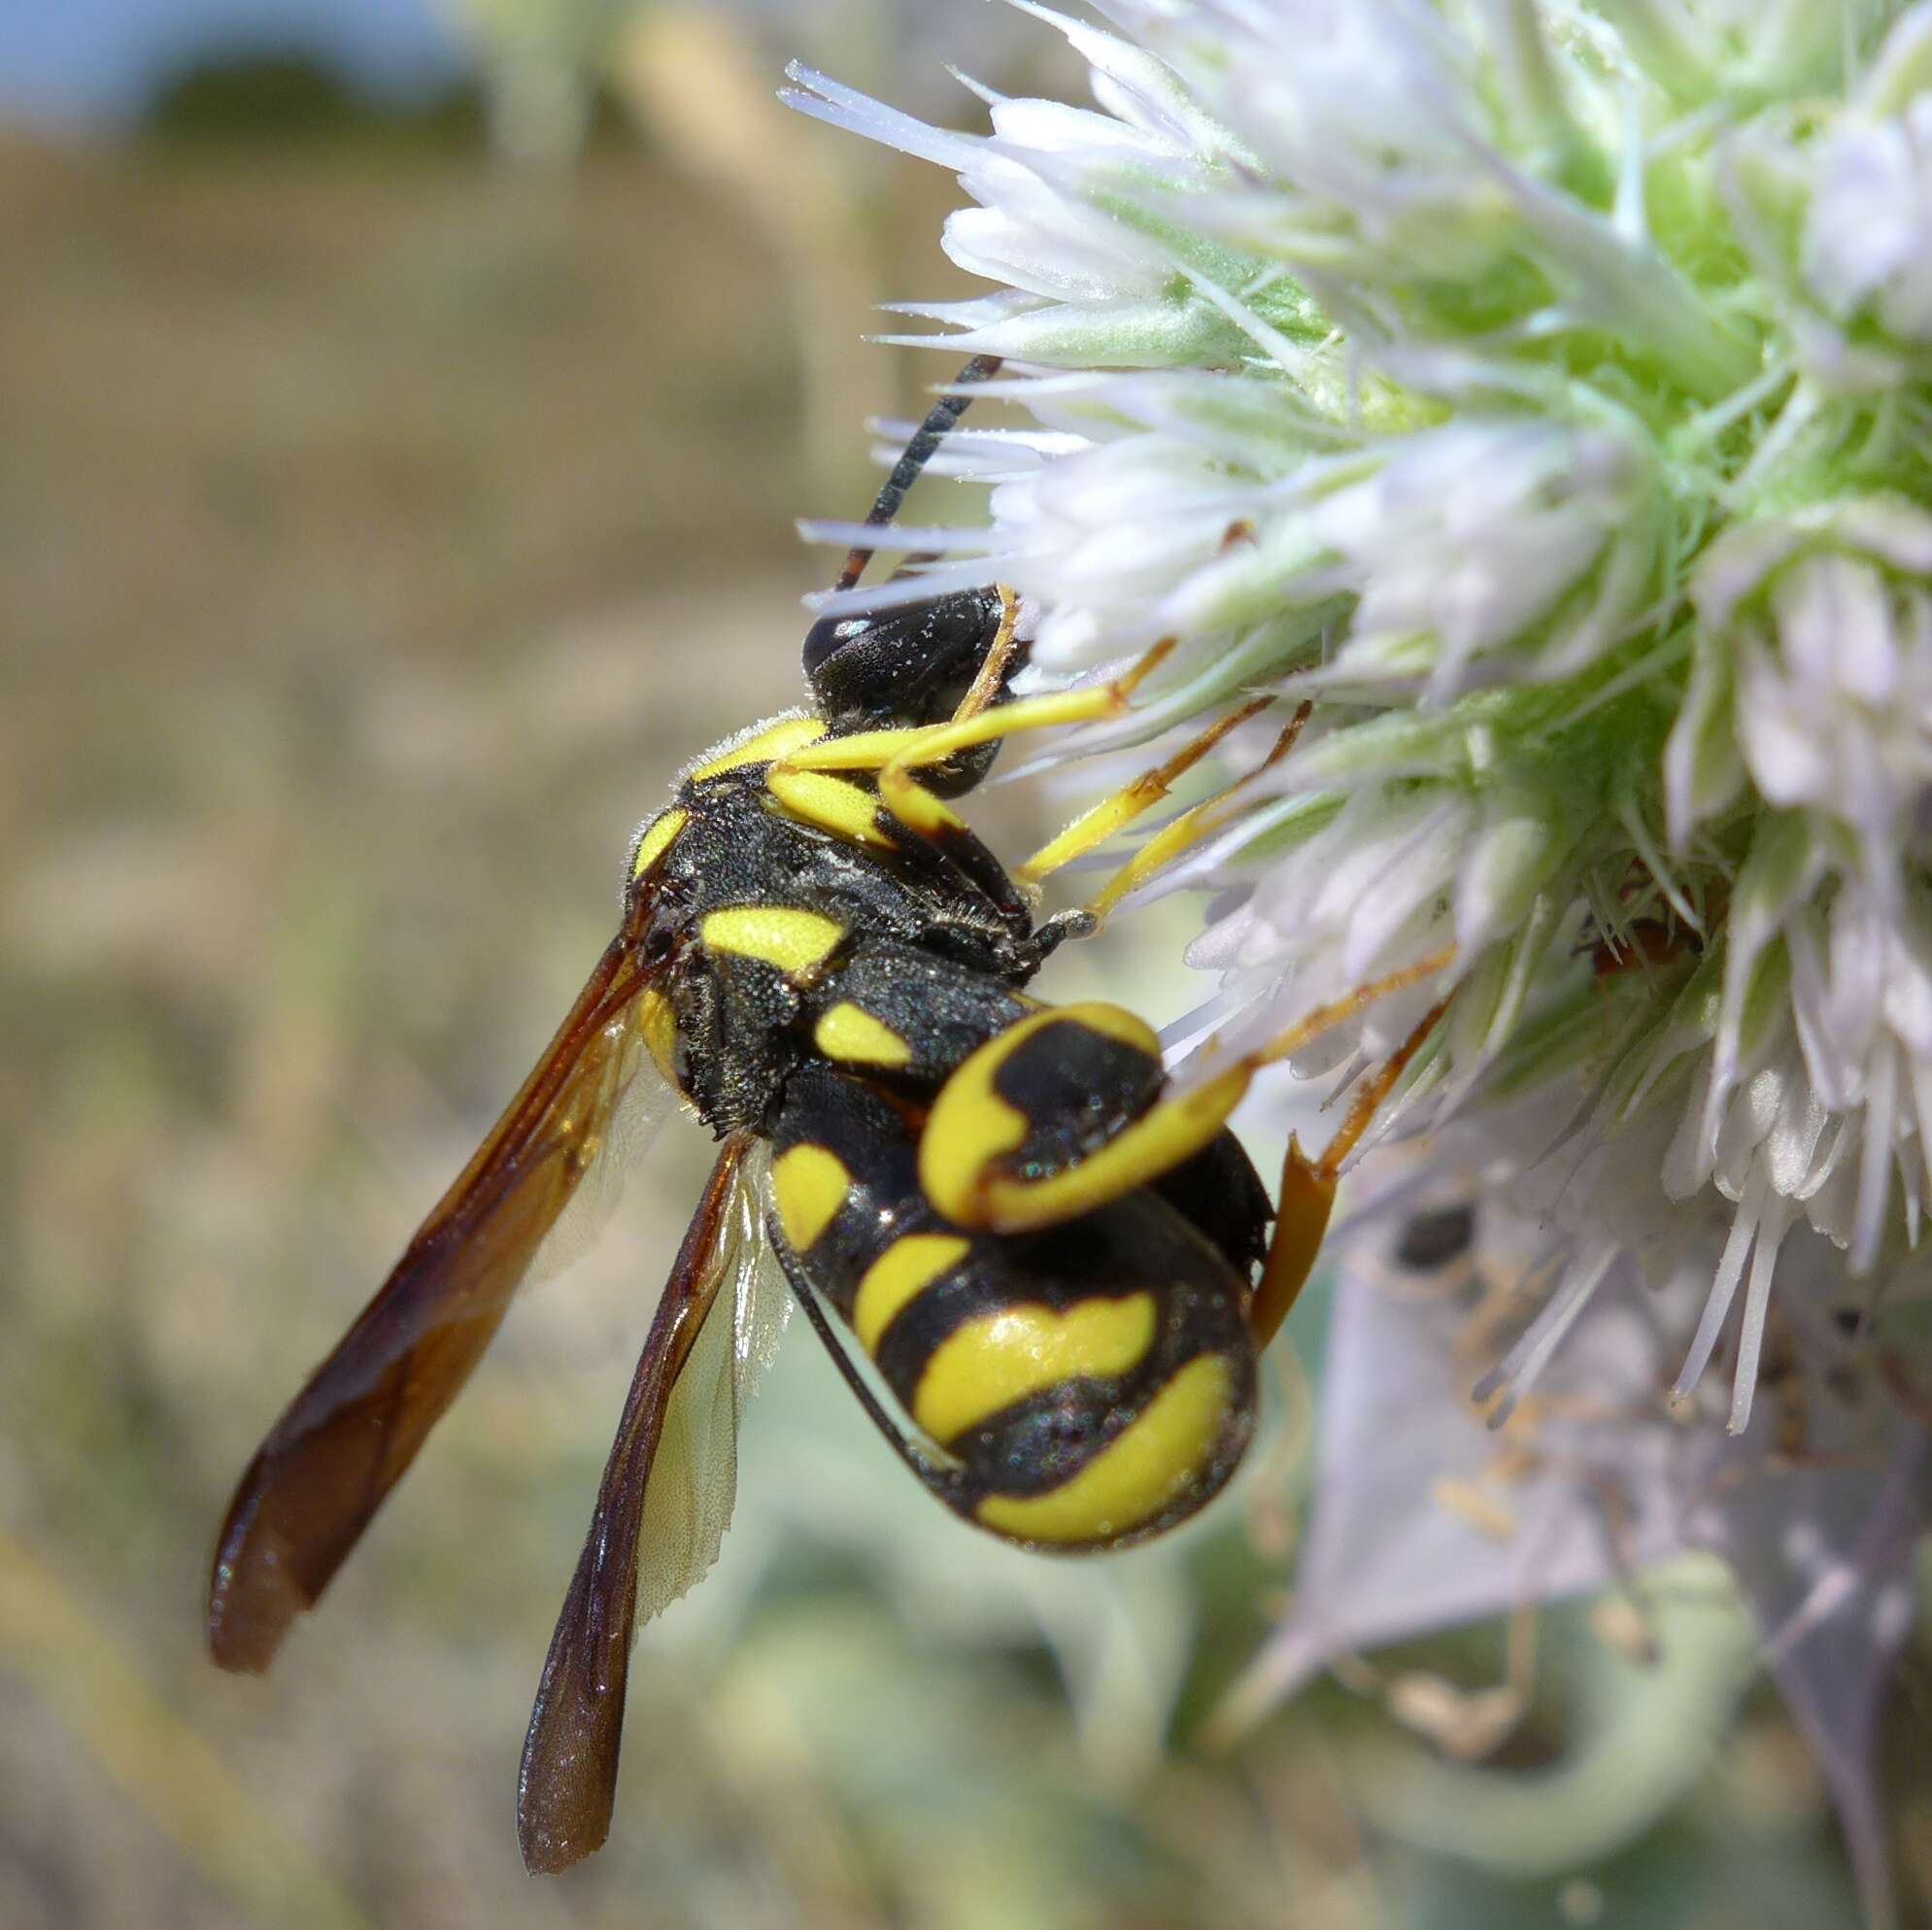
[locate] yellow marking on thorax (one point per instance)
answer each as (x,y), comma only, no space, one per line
(1140,1474)
(782,935)
(833,804)
(851,1034)
(659,835)
(659,1024)
(1003,1357)
(899,1275)
(809,1183)
(771,740)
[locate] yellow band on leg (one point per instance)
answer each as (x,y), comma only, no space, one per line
(1111,814)
(1188,830)
(967,1150)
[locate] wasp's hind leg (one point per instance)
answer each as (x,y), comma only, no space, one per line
(1307,1190)
(1071,1109)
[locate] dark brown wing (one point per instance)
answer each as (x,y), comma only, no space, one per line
(568,1778)
(347,1438)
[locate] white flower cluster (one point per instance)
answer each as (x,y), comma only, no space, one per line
(1545,391)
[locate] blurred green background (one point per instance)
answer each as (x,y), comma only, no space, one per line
(398,481)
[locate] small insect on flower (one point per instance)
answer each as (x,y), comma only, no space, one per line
(1048,1257)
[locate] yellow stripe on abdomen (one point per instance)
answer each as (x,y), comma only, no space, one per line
(990,1363)
(1165,1450)
(900,1273)
(809,1184)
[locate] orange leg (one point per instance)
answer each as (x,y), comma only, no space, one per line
(1307,1190)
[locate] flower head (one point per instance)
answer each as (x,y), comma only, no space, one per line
(1543,396)
(1540,396)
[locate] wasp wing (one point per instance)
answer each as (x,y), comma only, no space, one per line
(665,1499)
(347,1437)
(647,1100)
(692,1483)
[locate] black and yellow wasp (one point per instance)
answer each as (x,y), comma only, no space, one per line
(1048,1259)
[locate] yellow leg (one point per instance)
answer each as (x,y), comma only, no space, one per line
(994,1199)
(1188,830)
(907,750)
(1111,814)
(991,676)
(896,755)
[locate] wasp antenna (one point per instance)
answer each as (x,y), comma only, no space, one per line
(933,430)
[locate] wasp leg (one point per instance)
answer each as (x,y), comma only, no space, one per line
(1307,1190)
(802,785)
(803,782)
(1059,1114)
(992,678)
(1187,830)
(1007,1149)
(895,756)
(1095,827)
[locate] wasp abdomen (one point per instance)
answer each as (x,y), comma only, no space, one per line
(1094,1383)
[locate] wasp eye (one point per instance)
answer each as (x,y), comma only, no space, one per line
(826,635)
(909,663)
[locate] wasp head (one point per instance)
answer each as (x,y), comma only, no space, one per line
(905,667)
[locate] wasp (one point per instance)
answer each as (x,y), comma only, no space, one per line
(1057,1269)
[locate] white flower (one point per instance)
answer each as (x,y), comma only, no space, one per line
(1552,550)
(1539,393)
(1611,585)
(1867,231)
(1823,624)
(1427,1513)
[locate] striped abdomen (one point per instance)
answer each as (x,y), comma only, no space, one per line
(1088,1385)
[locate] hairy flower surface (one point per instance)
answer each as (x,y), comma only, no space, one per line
(1537,397)
(1424,1517)
(1545,394)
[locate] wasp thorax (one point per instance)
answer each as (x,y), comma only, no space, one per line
(908,665)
